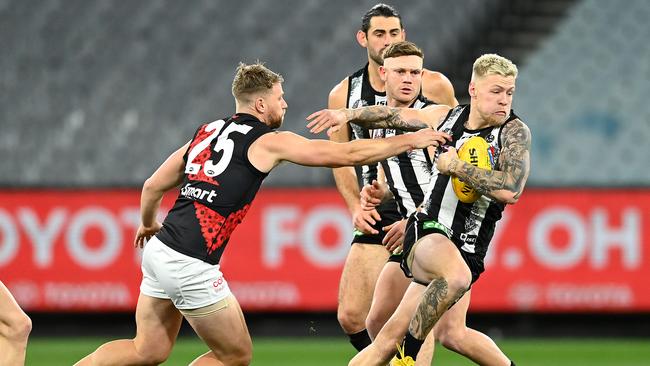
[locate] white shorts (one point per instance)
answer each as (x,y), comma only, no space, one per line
(188,282)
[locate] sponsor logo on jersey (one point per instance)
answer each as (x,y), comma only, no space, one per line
(198,193)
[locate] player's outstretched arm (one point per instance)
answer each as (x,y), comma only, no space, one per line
(167,176)
(507,183)
(377,116)
(271,149)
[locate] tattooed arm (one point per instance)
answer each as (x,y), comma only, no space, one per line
(378,116)
(507,183)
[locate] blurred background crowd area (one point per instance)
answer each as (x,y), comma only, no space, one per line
(98,93)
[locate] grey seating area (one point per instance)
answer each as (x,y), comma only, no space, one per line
(99,93)
(583,95)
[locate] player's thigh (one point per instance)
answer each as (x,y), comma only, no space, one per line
(158,322)
(436,256)
(391,285)
(362,267)
(224,331)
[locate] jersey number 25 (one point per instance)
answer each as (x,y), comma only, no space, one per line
(210,168)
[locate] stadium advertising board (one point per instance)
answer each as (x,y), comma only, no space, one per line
(556,250)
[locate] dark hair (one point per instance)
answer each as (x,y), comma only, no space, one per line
(403,48)
(379,10)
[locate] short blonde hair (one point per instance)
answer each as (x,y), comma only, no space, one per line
(493,64)
(252,79)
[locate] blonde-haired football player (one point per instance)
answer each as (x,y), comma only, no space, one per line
(445,244)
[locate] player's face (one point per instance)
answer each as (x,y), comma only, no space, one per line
(492,97)
(382,33)
(403,78)
(277,106)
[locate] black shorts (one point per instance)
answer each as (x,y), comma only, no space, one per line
(397,258)
(420,225)
(389,215)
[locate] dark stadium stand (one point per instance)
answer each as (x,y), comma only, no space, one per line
(102,91)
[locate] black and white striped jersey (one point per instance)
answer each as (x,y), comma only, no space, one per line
(361,94)
(408,174)
(471,224)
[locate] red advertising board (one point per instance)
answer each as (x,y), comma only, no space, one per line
(566,250)
(555,250)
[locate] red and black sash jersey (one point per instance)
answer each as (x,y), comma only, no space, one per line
(219,186)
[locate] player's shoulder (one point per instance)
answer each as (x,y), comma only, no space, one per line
(338,95)
(340,88)
(437,87)
(435,76)
(515,128)
(516,120)
(278,137)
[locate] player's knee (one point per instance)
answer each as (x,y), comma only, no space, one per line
(155,358)
(25,328)
(241,356)
(20,328)
(372,325)
(374,322)
(239,360)
(154,355)
(351,320)
(452,338)
(451,287)
(458,282)
(458,285)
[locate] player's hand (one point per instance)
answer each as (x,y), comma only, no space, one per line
(145,233)
(364,219)
(326,119)
(372,195)
(447,160)
(394,235)
(429,137)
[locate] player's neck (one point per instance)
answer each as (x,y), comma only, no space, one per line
(253,112)
(374,78)
(475,121)
(394,103)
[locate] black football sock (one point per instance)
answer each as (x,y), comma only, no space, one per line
(360,340)
(412,346)
(512,363)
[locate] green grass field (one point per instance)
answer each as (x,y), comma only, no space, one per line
(328,351)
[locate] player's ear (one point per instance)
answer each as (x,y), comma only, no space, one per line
(382,73)
(260,105)
(362,39)
(403,34)
(472,89)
